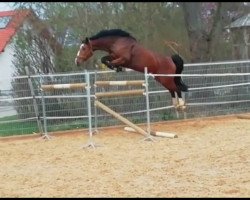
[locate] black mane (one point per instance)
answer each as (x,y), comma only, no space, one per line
(111,32)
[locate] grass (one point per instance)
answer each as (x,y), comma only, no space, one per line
(9,128)
(68,126)
(16,128)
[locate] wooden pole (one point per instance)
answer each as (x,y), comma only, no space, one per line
(64,86)
(154,133)
(107,83)
(119,117)
(243,116)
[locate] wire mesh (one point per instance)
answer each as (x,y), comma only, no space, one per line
(67,109)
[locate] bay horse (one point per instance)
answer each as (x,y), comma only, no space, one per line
(124,51)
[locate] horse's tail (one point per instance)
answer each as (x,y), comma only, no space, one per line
(178,61)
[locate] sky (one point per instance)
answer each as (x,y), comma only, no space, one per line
(5,6)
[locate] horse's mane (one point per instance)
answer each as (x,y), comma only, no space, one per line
(111,32)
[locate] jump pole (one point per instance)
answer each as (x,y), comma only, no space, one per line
(125,93)
(119,117)
(75,86)
(109,83)
(55,87)
(243,116)
(64,86)
(154,133)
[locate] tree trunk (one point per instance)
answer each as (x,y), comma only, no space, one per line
(200,36)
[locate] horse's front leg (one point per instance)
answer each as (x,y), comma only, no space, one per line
(106,60)
(118,63)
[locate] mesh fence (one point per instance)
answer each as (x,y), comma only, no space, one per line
(22,111)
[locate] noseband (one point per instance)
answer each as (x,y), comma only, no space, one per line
(91,51)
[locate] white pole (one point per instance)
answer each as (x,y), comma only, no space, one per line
(147,100)
(95,106)
(155,133)
(90,143)
(89,104)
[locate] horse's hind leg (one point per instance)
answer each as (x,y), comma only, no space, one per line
(181,102)
(174,99)
(178,102)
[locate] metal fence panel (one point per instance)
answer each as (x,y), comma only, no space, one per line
(67,109)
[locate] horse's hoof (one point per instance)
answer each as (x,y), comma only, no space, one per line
(183,108)
(177,107)
(180,107)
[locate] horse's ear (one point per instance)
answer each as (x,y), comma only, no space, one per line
(86,40)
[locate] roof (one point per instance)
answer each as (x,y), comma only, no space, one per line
(241,22)
(17,19)
(9,31)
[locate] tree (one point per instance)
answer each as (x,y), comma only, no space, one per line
(205,24)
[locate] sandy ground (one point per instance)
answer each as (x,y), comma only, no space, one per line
(210,158)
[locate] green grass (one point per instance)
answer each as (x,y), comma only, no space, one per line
(16,128)
(23,128)
(68,126)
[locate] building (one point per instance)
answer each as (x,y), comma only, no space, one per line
(240,31)
(12,22)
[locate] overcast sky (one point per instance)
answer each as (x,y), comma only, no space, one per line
(5,6)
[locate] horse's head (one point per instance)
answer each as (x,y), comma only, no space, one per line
(84,53)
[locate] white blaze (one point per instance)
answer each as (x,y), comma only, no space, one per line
(78,53)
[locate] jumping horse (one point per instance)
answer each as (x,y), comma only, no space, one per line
(124,51)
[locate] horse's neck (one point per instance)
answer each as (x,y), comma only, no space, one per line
(103,44)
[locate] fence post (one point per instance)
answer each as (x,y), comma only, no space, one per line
(90,143)
(44,116)
(147,99)
(38,119)
(95,106)
(149,137)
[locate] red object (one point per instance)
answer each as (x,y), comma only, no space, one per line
(17,19)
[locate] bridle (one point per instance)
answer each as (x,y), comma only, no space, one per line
(91,50)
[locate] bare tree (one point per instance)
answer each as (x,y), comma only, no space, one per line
(205,24)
